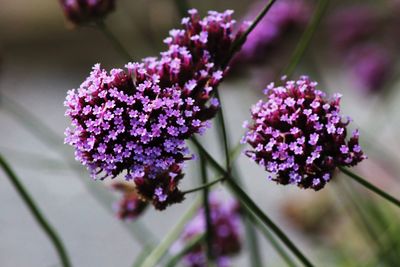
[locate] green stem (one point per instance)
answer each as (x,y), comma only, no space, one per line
(37,214)
(370,186)
(376,225)
(251,206)
(255,255)
(220,117)
(252,240)
(204,186)
(114,40)
(356,214)
(235,48)
(306,37)
(275,244)
(159,251)
(240,41)
(207,211)
(193,243)
(182,7)
(141,257)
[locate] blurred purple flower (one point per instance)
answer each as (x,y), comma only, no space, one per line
(370,65)
(226,242)
(350,25)
(284,16)
(83,11)
(299,136)
(131,206)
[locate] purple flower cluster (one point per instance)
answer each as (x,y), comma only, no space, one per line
(355,35)
(226,242)
(131,205)
(139,126)
(371,64)
(352,25)
(299,136)
(284,16)
(84,11)
(210,37)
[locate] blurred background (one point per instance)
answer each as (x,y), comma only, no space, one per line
(355,51)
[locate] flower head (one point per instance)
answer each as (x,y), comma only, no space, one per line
(226,242)
(83,11)
(131,205)
(136,127)
(299,136)
(139,126)
(371,65)
(213,35)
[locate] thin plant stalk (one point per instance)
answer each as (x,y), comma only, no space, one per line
(255,257)
(141,257)
(207,211)
(255,253)
(251,206)
(114,40)
(204,186)
(357,215)
(373,221)
(253,243)
(370,186)
(221,119)
(252,240)
(36,213)
(192,243)
(242,39)
(275,243)
(162,248)
(306,37)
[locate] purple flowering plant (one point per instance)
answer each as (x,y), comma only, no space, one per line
(137,122)
(141,123)
(299,136)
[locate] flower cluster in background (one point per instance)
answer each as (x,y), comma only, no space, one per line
(139,125)
(357,34)
(285,16)
(226,233)
(299,136)
(79,12)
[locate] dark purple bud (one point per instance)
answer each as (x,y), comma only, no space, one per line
(350,25)
(84,11)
